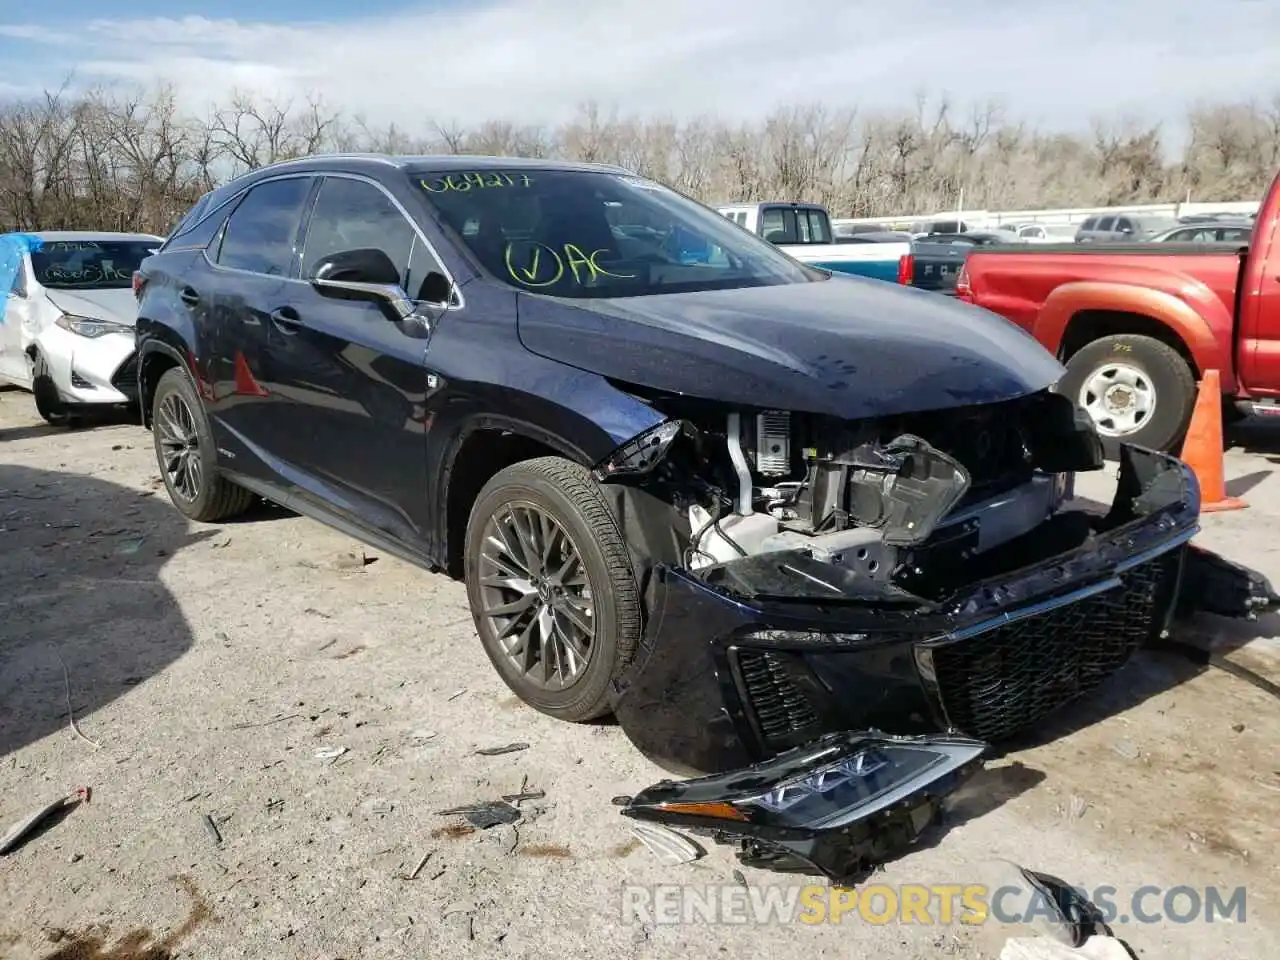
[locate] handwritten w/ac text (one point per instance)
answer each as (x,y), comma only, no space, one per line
(540,265)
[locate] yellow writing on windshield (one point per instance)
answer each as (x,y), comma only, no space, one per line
(539,265)
(475,180)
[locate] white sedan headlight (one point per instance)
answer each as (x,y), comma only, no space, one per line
(91,327)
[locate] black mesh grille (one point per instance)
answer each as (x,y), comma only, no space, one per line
(126,376)
(1006,679)
(781,709)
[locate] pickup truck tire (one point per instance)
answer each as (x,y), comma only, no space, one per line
(551,587)
(179,428)
(1110,374)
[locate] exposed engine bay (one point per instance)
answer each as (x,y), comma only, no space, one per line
(875,497)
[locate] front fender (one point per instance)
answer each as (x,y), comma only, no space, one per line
(1193,313)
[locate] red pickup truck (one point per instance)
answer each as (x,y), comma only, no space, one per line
(1137,324)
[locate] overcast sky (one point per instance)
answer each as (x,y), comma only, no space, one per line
(1053,63)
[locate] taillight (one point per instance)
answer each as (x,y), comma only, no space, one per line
(906,269)
(963,290)
(139,281)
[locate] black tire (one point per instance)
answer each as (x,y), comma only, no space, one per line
(1167,373)
(216,498)
(570,496)
(49,405)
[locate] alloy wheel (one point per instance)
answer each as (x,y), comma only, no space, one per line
(179,447)
(536,595)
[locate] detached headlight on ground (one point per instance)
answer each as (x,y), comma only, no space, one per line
(90,327)
(837,806)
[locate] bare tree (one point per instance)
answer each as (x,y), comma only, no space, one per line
(130,159)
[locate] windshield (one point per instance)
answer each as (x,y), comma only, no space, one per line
(587,235)
(89,264)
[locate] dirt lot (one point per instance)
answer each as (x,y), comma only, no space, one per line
(211,664)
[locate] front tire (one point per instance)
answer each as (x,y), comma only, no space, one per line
(186,455)
(49,404)
(1137,390)
(551,587)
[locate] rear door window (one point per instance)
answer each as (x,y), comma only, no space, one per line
(262,233)
(1106,225)
(1090,224)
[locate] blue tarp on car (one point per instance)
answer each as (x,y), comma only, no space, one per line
(13,247)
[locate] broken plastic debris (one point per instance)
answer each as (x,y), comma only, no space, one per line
(669,847)
(521,797)
(330,753)
(482,816)
(499,751)
(1126,749)
(24,827)
(211,828)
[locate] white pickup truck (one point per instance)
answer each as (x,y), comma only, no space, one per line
(803,230)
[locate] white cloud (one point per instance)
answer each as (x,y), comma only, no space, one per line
(536,60)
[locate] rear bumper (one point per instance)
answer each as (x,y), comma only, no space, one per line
(730,674)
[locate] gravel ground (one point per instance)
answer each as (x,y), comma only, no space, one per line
(211,667)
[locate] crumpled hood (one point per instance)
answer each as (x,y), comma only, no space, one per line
(118,306)
(845,347)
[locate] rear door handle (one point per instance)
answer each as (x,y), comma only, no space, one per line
(286,319)
(189,296)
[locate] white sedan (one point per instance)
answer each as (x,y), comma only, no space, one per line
(67,318)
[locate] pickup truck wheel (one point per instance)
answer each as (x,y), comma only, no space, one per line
(186,455)
(1137,390)
(551,587)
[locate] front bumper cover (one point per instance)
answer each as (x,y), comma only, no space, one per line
(760,655)
(90,371)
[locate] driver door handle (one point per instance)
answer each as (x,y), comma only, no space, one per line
(287,319)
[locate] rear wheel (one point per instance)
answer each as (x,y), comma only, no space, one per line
(186,455)
(551,586)
(1137,390)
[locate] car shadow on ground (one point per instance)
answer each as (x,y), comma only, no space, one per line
(91,420)
(84,615)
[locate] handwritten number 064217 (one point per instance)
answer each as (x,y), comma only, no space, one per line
(476,180)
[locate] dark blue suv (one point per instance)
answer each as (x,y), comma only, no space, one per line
(739,501)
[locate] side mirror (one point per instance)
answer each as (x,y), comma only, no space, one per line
(366,274)
(367,266)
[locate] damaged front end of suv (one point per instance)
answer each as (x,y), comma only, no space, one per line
(926,574)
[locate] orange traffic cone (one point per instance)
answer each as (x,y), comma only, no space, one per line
(1202,448)
(245,382)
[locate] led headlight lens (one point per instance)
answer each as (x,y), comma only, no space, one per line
(91,327)
(861,783)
